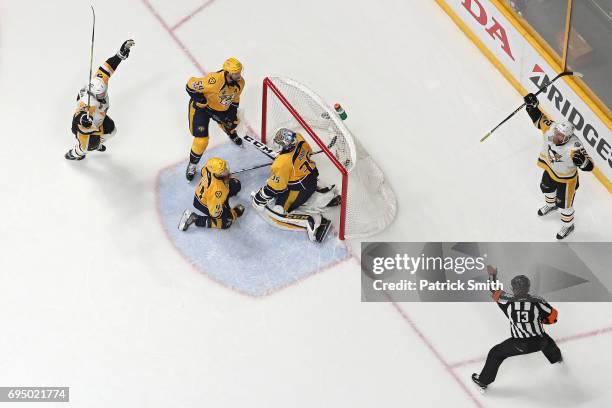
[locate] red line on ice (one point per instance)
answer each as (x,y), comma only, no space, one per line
(174,37)
(437,354)
(182,47)
(191,15)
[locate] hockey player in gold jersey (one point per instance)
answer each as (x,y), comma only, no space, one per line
(212,198)
(215,96)
(91,125)
(561,156)
(292,183)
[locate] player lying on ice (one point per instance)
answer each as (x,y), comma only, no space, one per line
(298,203)
(90,124)
(212,198)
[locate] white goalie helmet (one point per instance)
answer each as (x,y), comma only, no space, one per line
(98,88)
(284,139)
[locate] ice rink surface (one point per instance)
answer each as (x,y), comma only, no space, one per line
(95,296)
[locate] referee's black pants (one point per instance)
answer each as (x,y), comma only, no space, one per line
(515,347)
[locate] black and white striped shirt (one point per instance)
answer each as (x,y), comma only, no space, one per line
(527,313)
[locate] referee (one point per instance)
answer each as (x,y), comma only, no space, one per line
(527,314)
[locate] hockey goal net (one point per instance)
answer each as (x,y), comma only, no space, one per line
(368,203)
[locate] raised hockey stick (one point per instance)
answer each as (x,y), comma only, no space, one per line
(93,32)
(539,91)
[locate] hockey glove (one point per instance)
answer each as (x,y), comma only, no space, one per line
(124,52)
(232,113)
(579,157)
(85,121)
(531,100)
(195,95)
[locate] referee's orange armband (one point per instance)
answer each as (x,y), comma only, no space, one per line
(552,317)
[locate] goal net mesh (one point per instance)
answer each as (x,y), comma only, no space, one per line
(369,204)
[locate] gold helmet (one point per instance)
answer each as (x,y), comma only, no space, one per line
(232,65)
(217,167)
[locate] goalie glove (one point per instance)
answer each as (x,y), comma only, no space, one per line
(124,51)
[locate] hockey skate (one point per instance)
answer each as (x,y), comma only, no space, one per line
(546,209)
(190,172)
(481,386)
(318,227)
(70,156)
(188,218)
(101,148)
(565,231)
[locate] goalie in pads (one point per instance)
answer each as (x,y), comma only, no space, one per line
(292,184)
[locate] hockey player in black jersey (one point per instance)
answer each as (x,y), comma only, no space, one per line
(527,315)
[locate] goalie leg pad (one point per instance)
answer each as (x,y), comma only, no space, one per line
(314,224)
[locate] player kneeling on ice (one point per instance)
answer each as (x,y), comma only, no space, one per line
(212,198)
(293,185)
(561,156)
(90,123)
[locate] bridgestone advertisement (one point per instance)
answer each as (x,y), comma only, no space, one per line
(531,70)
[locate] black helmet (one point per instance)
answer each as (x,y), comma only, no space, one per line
(520,285)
